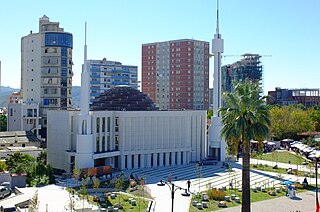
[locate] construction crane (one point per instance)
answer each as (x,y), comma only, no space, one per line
(242,55)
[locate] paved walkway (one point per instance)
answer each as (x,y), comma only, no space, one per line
(304,202)
(218,176)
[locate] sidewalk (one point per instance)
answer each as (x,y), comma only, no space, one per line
(220,177)
(304,202)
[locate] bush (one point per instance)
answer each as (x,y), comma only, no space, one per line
(216,194)
(298,186)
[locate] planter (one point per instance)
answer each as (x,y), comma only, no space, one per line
(205,204)
(194,202)
(199,205)
(222,204)
(237,199)
(227,198)
(233,196)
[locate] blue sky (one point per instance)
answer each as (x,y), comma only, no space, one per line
(288,30)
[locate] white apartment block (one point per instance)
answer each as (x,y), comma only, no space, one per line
(46,69)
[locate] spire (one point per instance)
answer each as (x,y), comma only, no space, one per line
(217,27)
(85,45)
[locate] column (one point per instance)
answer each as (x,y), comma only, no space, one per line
(149,160)
(136,161)
(178,158)
(155,159)
(161,159)
(142,165)
(185,158)
(129,161)
(167,158)
(123,162)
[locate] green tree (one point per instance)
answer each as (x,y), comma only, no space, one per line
(3,122)
(119,185)
(209,113)
(245,117)
(288,122)
(96,183)
(3,166)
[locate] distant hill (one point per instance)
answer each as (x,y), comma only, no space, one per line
(6,91)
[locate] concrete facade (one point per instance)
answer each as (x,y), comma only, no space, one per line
(46,68)
(175,74)
(105,74)
(126,139)
(24,117)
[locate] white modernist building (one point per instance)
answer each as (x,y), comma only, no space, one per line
(126,139)
(123,139)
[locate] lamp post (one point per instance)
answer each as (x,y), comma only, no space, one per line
(173,188)
(317,201)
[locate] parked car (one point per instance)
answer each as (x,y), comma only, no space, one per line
(4,191)
(207,162)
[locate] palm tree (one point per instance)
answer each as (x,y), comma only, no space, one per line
(245,117)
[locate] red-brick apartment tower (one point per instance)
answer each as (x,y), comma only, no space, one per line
(175,74)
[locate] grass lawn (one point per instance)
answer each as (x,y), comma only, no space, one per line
(282,157)
(255,197)
(141,205)
(281,170)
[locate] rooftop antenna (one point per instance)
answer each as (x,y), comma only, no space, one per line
(217,26)
(85,43)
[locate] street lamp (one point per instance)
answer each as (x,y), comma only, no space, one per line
(316,157)
(317,201)
(173,188)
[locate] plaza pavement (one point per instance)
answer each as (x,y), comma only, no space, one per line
(218,176)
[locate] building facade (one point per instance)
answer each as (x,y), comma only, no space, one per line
(175,74)
(46,69)
(127,139)
(249,67)
(307,96)
(24,116)
(106,74)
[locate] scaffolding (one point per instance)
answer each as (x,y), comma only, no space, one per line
(249,67)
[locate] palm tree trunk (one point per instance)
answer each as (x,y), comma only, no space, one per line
(246,177)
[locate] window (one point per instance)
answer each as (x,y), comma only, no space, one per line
(98,124)
(103,124)
(108,143)
(108,124)
(103,143)
(98,144)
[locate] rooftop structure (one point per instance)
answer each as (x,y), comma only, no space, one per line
(306,96)
(123,98)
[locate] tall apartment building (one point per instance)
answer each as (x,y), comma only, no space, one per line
(46,69)
(249,67)
(105,74)
(175,74)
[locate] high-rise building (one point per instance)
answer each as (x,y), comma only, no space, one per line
(105,74)
(46,68)
(175,74)
(249,67)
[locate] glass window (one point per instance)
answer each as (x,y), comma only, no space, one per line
(98,124)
